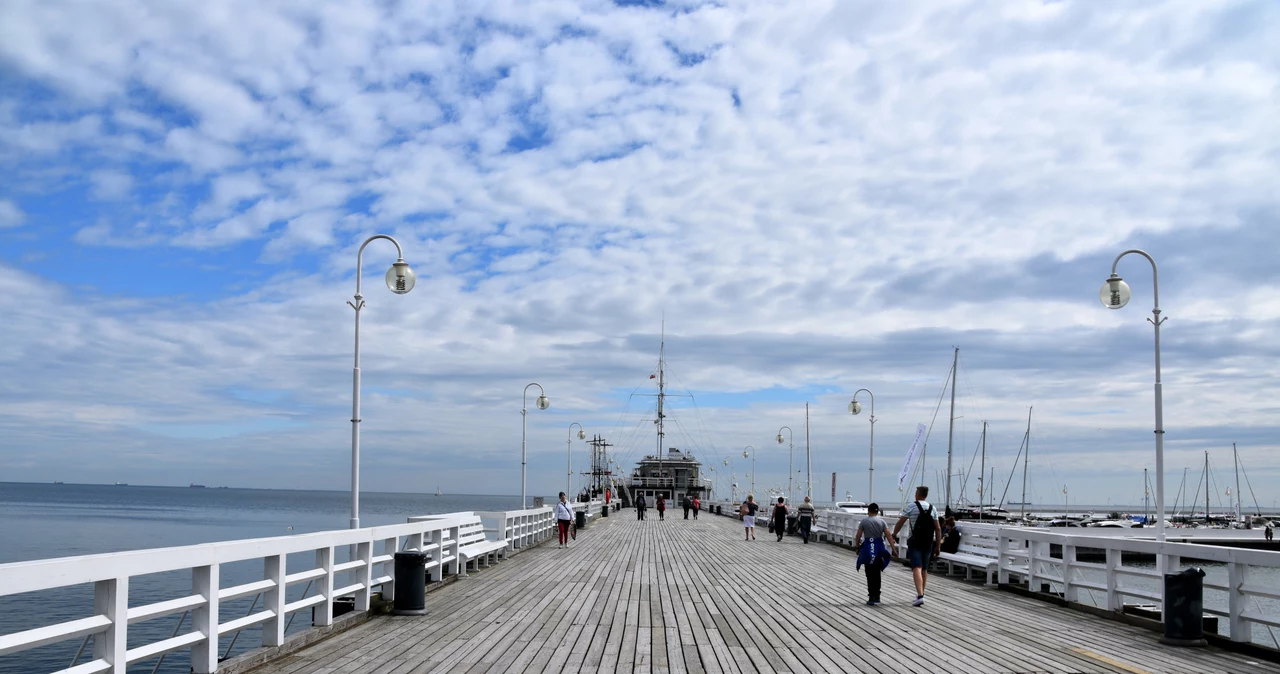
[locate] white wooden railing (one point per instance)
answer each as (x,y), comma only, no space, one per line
(1024,553)
(371,565)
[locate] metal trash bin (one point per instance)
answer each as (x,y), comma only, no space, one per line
(604,511)
(1184,608)
(411,583)
(581,519)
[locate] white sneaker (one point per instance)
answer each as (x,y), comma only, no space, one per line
(918,602)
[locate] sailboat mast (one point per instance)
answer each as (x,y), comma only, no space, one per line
(1146,496)
(1206,487)
(982,472)
(951,426)
(1235,456)
(1025,460)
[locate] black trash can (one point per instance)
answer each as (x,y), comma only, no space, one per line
(1184,608)
(411,583)
(581,521)
(604,512)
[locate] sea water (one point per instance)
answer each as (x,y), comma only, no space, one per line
(40,521)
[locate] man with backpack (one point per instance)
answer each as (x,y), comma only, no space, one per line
(924,541)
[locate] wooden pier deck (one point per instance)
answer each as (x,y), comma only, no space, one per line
(692,596)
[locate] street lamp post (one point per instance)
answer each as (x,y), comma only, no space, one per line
(791,445)
(751,455)
(400,280)
(568,457)
(542,404)
(854,408)
(1115,294)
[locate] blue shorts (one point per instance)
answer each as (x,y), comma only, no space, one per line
(919,559)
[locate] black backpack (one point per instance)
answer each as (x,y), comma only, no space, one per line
(922,529)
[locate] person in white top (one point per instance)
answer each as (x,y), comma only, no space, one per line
(564,519)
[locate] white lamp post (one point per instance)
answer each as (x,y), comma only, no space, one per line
(1115,293)
(791,446)
(854,408)
(542,404)
(749,453)
(400,280)
(568,457)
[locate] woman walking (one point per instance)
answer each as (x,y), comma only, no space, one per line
(662,507)
(748,512)
(564,519)
(780,518)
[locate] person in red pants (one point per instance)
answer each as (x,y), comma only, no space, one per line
(564,519)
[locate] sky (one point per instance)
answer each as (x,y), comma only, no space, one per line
(808,197)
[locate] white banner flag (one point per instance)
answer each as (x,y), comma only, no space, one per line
(911,456)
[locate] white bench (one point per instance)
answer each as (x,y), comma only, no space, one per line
(979,551)
(475,547)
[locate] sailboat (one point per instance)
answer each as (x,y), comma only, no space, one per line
(438,491)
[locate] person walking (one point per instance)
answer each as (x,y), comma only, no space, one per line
(684,502)
(748,511)
(564,519)
(780,518)
(872,551)
(807,518)
(640,505)
(1270,530)
(662,507)
(922,544)
(697,505)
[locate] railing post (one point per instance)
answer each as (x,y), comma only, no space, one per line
(324,587)
(389,587)
(1002,558)
(273,569)
(1069,590)
(1237,576)
(455,542)
(1031,565)
(111,599)
(437,541)
(365,552)
(205,582)
(1113,580)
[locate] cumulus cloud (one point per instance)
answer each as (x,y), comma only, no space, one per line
(818,196)
(10,214)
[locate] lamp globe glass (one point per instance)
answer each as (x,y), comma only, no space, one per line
(855,407)
(582,435)
(543,403)
(400,278)
(1115,293)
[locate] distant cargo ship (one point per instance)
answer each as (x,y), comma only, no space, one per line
(196,486)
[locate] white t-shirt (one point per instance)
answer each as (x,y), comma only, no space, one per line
(563,511)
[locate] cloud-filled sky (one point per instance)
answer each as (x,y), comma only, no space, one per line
(816,197)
